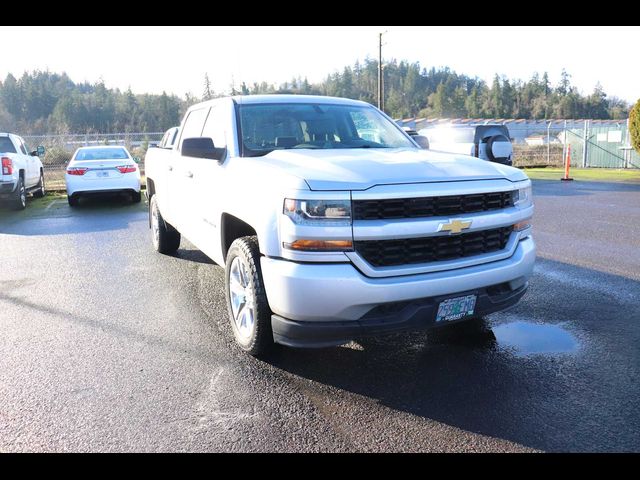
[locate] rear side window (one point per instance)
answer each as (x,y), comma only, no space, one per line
(485,132)
(6,145)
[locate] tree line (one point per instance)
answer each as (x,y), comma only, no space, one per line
(45,102)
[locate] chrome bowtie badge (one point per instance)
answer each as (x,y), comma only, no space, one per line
(455,226)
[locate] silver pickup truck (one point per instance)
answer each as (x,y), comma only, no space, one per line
(333,224)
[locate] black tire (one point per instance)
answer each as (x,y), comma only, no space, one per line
(259,339)
(136,197)
(19,197)
(165,238)
(40,192)
(73,200)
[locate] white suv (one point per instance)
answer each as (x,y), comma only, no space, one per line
(488,141)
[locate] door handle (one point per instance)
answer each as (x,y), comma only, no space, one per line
(170,168)
(189,175)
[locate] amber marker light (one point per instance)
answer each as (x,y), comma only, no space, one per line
(523,225)
(319,245)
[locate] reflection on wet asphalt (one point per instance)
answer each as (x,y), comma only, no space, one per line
(525,338)
(108,346)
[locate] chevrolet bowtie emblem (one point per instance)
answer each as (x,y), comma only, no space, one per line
(455,226)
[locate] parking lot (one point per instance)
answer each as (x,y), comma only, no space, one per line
(109,346)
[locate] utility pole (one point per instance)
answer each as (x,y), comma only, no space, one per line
(380,78)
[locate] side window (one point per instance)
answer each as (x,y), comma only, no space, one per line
(215,127)
(23,147)
(173,134)
(193,124)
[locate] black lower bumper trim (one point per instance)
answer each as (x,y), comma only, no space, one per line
(391,318)
(6,188)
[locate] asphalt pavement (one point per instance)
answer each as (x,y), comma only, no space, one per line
(109,346)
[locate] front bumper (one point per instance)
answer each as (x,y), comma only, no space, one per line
(390,318)
(303,295)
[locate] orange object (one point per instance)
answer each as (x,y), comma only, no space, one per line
(320,245)
(567,164)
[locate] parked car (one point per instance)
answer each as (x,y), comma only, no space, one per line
(22,171)
(327,235)
(488,141)
(99,170)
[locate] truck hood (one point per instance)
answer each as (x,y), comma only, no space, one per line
(360,169)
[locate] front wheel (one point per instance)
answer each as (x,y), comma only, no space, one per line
(166,239)
(40,192)
(247,304)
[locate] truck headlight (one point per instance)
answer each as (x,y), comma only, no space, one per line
(523,197)
(330,213)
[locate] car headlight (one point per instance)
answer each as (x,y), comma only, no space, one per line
(523,197)
(333,213)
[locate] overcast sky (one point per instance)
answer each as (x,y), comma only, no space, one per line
(175,59)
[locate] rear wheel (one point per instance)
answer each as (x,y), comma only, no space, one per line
(247,304)
(136,197)
(19,200)
(73,200)
(40,192)
(166,239)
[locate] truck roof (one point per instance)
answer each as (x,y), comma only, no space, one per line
(282,98)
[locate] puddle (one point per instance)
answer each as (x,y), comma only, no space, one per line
(526,338)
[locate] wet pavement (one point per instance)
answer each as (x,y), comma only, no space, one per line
(108,346)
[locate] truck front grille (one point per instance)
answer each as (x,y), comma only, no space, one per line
(386,253)
(430,206)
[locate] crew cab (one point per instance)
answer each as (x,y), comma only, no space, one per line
(333,224)
(22,171)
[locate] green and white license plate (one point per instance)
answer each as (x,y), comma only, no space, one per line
(456,308)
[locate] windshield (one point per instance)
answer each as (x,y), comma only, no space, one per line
(268,127)
(101,154)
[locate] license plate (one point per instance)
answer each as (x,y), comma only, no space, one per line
(456,308)
(102,174)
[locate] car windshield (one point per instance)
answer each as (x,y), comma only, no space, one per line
(449,134)
(268,127)
(101,154)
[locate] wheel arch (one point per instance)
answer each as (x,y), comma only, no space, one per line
(232,228)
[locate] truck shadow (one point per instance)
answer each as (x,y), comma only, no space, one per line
(93,214)
(535,375)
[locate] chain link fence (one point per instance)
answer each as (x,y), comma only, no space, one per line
(60,148)
(592,144)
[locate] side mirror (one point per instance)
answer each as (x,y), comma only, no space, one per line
(38,152)
(136,159)
(202,147)
(422,141)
